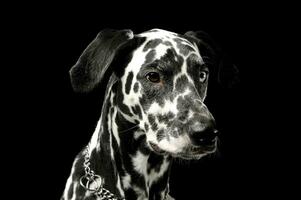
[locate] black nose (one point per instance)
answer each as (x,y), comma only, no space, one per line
(206,136)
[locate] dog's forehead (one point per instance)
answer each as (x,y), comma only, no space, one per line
(160,41)
(158,33)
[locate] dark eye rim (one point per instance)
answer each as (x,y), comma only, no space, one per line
(156,79)
(206,75)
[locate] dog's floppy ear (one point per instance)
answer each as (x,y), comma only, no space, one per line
(225,72)
(90,68)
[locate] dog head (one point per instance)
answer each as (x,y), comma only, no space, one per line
(162,79)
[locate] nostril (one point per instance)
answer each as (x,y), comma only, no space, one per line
(206,137)
(182,118)
(215,132)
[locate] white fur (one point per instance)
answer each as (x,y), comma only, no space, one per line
(68,184)
(137,134)
(115,127)
(140,163)
(141,193)
(126,181)
(94,140)
(75,185)
(174,145)
(190,114)
(118,185)
(161,50)
(158,34)
(110,136)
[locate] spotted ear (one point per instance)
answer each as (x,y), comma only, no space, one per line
(96,59)
(225,72)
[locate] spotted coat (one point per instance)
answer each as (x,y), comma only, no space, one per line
(153,109)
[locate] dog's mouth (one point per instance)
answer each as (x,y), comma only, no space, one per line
(190,153)
(195,153)
(157,149)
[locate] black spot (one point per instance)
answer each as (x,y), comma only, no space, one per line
(182,116)
(163,119)
(119,100)
(154,125)
(130,194)
(167,43)
(143,148)
(152,44)
(181,84)
(185,49)
(146,127)
(178,40)
(151,119)
(166,119)
(169,119)
(144,102)
(183,46)
(153,30)
(125,110)
(150,56)
(125,55)
(155,161)
(194,64)
(183,104)
(160,101)
(170,115)
(173,60)
(189,48)
(136,87)
(128,82)
(160,135)
(137,110)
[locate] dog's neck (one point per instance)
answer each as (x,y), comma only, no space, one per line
(121,156)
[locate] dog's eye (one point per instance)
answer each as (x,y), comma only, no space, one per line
(203,76)
(153,77)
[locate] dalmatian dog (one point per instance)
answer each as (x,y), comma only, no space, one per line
(153,110)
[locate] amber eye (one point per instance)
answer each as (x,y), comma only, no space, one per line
(153,77)
(203,76)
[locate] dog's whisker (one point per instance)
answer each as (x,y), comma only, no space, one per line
(123,131)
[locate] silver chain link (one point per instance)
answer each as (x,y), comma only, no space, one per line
(90,181)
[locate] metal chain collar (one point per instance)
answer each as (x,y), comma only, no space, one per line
(93,182)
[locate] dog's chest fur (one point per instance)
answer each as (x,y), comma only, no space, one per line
(122,158)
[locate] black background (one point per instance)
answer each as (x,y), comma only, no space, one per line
(51,123)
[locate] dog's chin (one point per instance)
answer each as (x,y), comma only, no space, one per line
(190,153)
(195,153)
(155,148)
